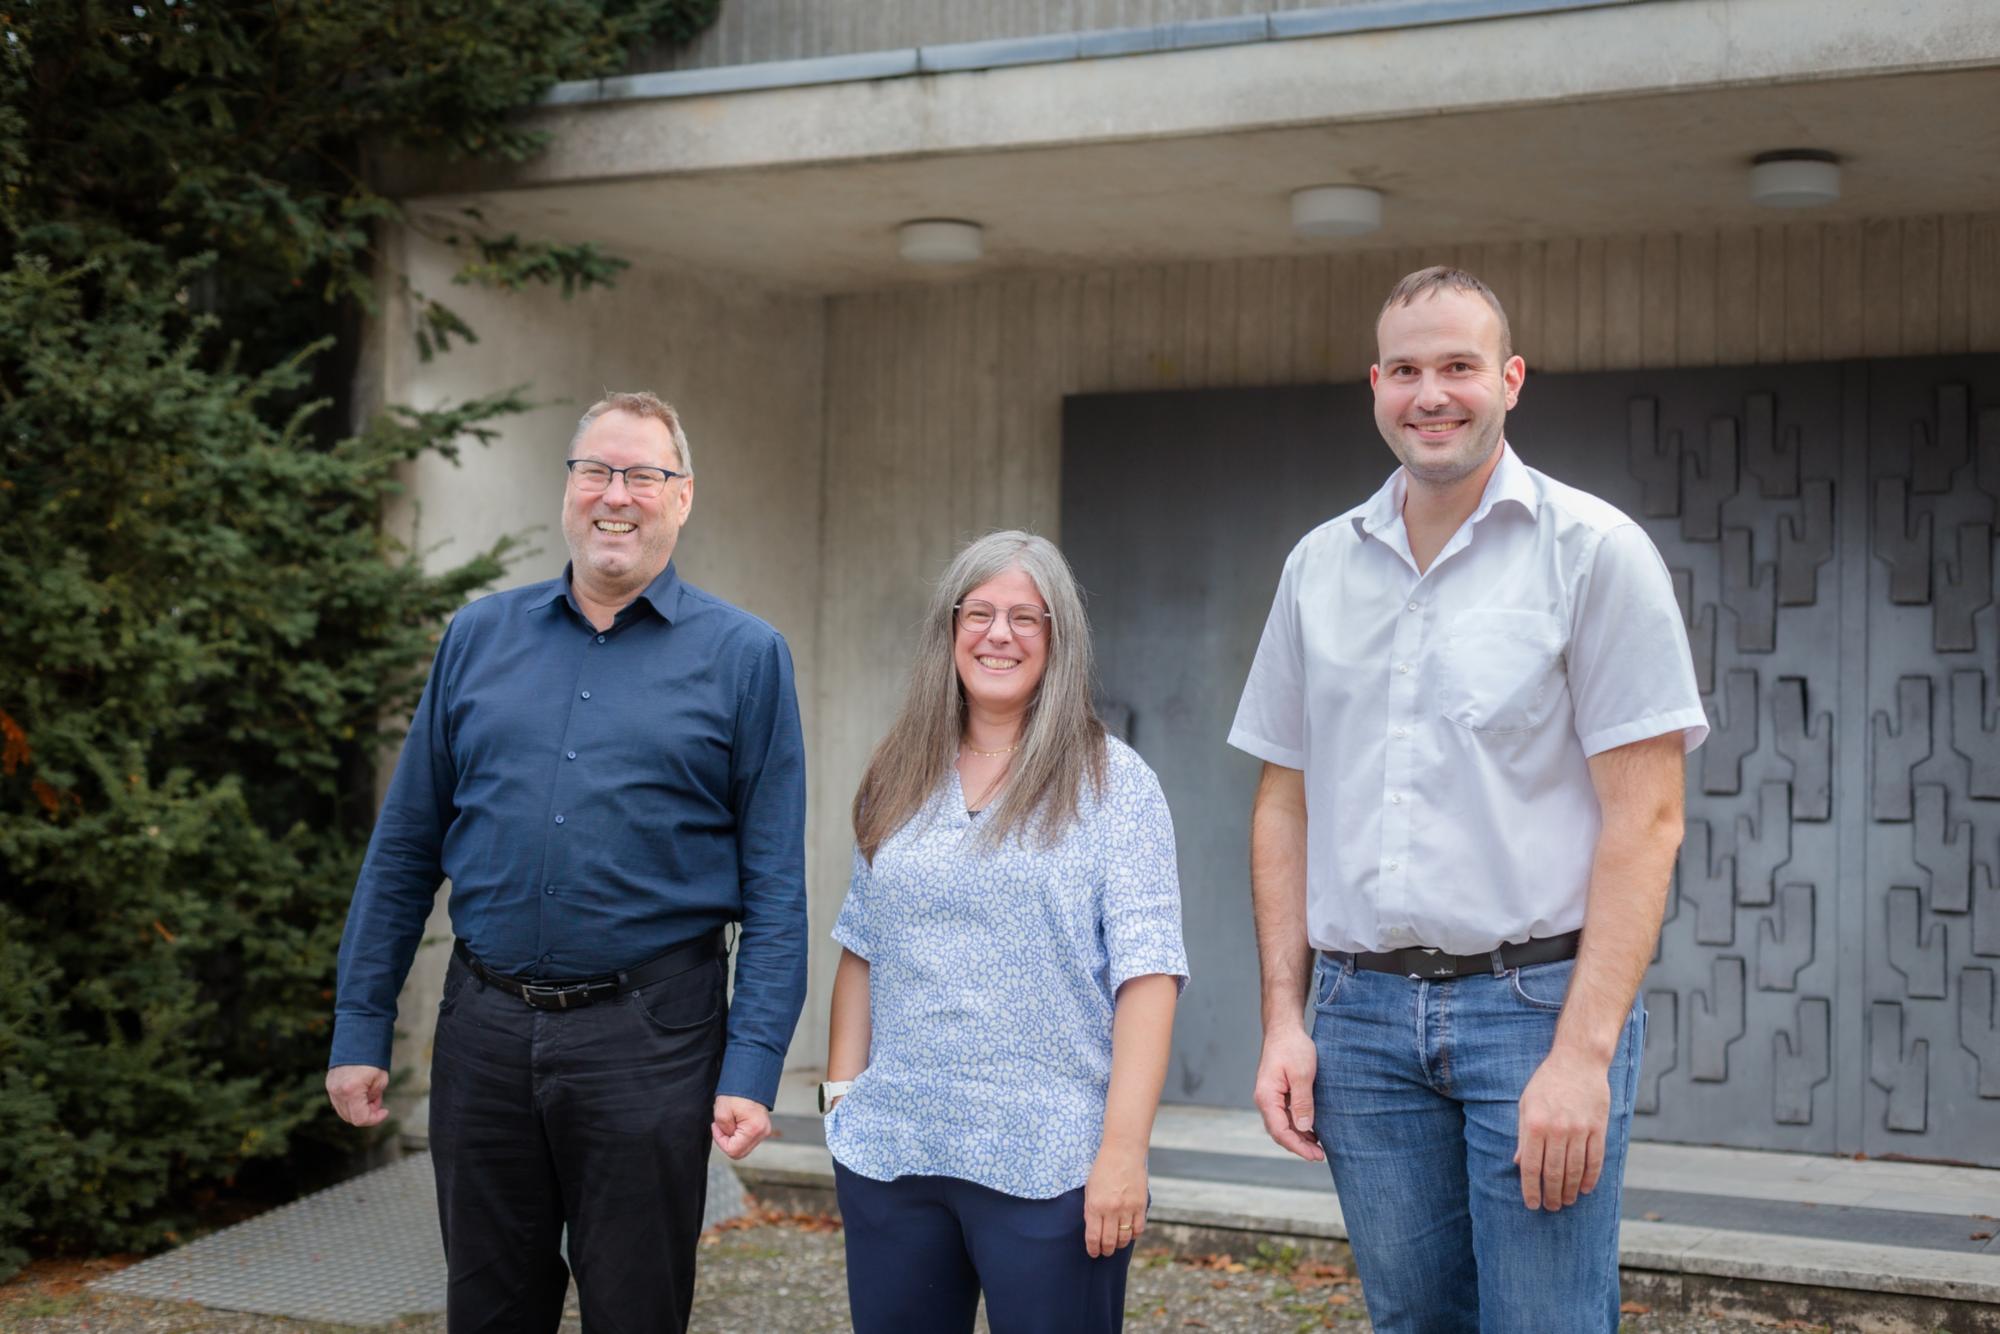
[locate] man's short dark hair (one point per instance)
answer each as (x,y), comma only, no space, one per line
(1444,278)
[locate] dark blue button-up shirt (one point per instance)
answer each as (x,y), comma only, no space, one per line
(595,798)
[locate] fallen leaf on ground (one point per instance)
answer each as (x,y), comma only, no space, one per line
(770,1215)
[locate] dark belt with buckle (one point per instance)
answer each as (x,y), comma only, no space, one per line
(574,993)
(1432,965)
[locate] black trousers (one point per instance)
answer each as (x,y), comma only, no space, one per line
(597,1118)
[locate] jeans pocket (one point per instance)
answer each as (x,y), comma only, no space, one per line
(1543,985)
(1327,978)
(683,1002)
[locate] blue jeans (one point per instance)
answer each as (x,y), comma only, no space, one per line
(1415,1102)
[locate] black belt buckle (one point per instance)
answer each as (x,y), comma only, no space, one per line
(563,995)
(1431,964)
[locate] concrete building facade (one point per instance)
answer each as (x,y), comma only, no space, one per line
(856,417)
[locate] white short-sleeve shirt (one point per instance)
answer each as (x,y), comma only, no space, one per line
(993,976)
(1444,719)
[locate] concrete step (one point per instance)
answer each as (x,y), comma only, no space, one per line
(1792,1236)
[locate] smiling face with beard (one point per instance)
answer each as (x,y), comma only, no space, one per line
(1444,384)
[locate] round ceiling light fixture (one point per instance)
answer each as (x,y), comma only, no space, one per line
(941,241)
(1794,178)
(1336,210)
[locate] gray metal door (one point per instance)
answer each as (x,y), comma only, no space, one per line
(1827,975)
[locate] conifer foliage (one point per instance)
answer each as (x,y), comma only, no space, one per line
(203,627)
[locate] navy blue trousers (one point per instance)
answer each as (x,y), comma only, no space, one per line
(920,1249)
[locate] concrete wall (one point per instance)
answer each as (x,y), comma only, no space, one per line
(742,365)
(941,409)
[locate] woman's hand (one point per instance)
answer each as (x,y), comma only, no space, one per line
(1114,1200)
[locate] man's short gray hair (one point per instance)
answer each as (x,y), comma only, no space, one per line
(640,404)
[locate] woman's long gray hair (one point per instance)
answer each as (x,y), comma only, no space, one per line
(1062,741)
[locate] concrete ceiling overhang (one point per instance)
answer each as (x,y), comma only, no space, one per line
(1633,119)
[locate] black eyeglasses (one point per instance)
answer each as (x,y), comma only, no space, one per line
(1025,619)
(642,480)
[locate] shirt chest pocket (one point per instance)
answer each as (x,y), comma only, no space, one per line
(1501,669)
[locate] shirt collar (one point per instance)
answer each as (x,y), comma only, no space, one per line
(1385,508)
(549,590)
(663,595)
(1510,482)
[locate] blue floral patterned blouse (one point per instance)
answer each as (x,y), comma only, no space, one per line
(991,984)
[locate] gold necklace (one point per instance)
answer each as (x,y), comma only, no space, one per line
(990,754)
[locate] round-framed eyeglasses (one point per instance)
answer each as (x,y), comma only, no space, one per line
(642,480)
(1025,619)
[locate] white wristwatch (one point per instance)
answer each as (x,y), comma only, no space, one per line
(829,1091)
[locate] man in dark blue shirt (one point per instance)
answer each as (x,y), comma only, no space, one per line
(608,767)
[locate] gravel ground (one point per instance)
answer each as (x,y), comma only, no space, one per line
(784,1274)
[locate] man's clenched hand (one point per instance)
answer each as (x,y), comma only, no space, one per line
(356,1093)
(740,1125)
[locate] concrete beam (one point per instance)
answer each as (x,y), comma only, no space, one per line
(1581,55)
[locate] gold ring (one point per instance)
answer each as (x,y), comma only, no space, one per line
(1124,1227)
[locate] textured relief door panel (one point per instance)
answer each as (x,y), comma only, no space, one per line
(1826,976)
(1932,947)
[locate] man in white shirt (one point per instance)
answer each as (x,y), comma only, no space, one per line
(1473,697)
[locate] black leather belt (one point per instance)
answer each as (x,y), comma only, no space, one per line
(574,993)
(1430,965)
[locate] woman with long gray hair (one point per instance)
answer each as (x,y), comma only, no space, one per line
(1010,961)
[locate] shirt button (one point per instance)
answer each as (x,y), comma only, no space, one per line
(586,694)
(559,819)
(1395,866)
(1401,732)
(570,754)
(548,889)
(1395,798)
(600,638)
(1402,667)
(1413,606)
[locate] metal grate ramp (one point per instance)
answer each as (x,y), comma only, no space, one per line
(361,1253)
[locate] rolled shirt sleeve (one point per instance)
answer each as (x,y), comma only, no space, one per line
(1142,888)
(1631,673)
(851,927)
